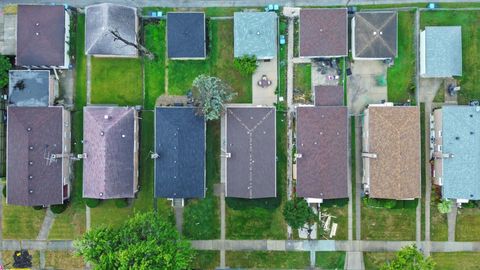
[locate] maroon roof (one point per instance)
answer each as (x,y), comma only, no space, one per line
(328,95)
(40,35)
(322,143)
(323,32)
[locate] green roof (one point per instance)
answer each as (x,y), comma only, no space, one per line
(255,34)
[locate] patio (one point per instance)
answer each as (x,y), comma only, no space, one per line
(264,83)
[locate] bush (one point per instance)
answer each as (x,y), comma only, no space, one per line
(58,208)
(121,203)
(380,203)
(246,64)
(390,204)
(92,203)
(334,203)
(38,207)
(4,191)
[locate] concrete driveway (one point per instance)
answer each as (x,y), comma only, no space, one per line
(362,86)
(428,89)
(265,95)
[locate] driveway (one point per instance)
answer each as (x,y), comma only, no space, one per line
(362,86)
(428,89)
(265,95)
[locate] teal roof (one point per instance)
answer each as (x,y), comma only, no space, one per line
(461,137)
(255,33)
(443,49)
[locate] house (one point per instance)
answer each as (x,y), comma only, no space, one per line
(110,152)
(375,35)
(456,140)
(255,33)
(322,148)
(43,35)
(31,88)
(249,151)
(391,151)
(38,155)
(179,153)
(441,51)
(186,35)
(323,33)
(328,95)
(108,30)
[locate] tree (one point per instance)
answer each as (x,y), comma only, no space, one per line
(246,64)
(445,206)
(137,45)
(297,213)
(145,241)
(211,93)
(5,66)
(409,258)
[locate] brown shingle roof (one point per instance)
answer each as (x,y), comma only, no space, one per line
(40,35)
(322,142)
(323,32)
(394,136)
(328,95)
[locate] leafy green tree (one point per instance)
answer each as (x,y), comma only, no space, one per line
(409,258)
(145,241)
(246,64)
(445,206)
(297,213)
(5,66)
(211,94)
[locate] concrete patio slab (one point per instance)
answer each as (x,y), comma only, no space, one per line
(265,95)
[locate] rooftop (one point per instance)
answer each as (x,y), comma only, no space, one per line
(255,33)
(375,34)
(322,143)
(250,141)
(180,145)
(186,35)
(329,95)
(443,51)
(109,145)
(103,19)
(34,134)
(323,32)
(29,88)
(461,137)
(40,35)
(393,135)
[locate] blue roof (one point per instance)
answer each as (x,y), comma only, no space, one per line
(255,33)
(443,49)
(461,137)
(180,144)
(35,91)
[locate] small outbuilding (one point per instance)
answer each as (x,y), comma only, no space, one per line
(186,36)
(31,88)
(255,33)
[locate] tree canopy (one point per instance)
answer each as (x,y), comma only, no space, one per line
(409,258)
(5,66)
(246,64)
(297,213)
(211,93)
(145,241)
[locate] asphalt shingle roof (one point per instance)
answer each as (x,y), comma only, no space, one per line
(328,95)
(376,34)
(255,33)
(186,35)
(180,144)
(36,85)
(443,51)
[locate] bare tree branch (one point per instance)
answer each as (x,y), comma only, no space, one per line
(138,46)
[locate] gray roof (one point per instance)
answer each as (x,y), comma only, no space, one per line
(255,33)
(180,144)
(376,34)
(443,51)
(251,167)
(33,135)
(461,173)
(36,86)
(108,142)
(100,20)
(186,34)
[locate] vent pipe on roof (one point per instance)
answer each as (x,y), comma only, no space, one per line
(106,117)
(369,155)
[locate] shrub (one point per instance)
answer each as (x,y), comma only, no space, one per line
(92,203)
(4,191)
(121,203)
(58,208)
(38,207)
(390,204)
(246,64)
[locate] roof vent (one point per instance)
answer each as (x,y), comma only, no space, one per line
(30,147)
(471,115)
(338,133)
(30,191)
(101,194)
(471,132)
(457,138)
(123,136)
(29,129)
(30,177)
(30,163)
(36,33)
(102,133)
(381,33)
(258,33)
(106,117)
(374,33)
(37,24)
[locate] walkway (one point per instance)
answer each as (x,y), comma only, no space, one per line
(44,231)
(89,79)
(290,113)
(452,218)
(358,178)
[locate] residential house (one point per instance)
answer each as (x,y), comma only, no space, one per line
(186,38)
(110,152)
(31,88)
(255,33)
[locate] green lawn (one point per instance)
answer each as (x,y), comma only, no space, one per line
(201,217)
(388,224)
(468,225)
(282,60)
(423,170)
(219,63)
(438,221)
(206,259)
(262,218)
(21,222)
(456,260)
(400,77)
(117,81)
(302,83)
(330,260)
(63,260)
(469,20)
(338,209)
(154,69)
(268,259)
(353,173)
(374,260)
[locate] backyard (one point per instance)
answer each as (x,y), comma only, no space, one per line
(302,83)
(154,69)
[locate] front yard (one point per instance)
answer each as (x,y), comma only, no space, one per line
(468,224)
(268,259)
(456,260)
